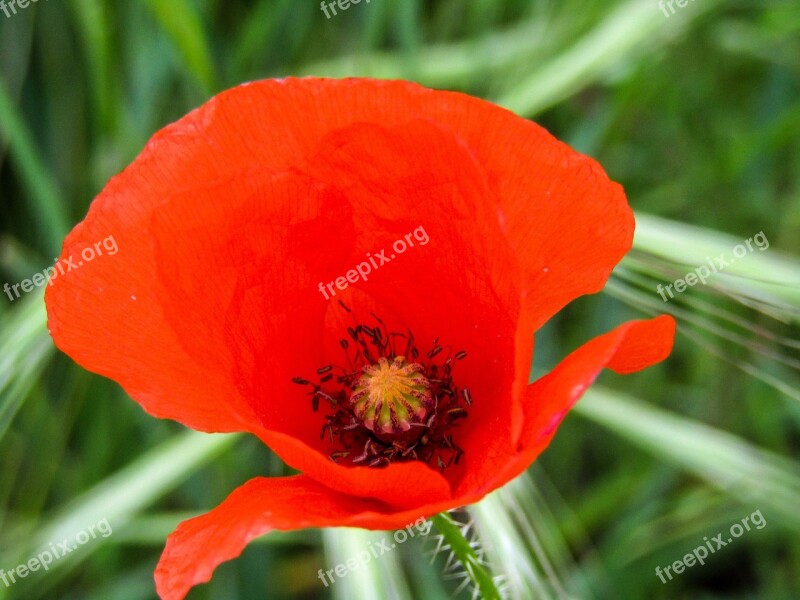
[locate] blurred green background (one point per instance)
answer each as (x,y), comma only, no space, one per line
(696,113)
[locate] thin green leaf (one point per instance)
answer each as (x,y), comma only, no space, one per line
(378,578)
(767,275)
(182,24)
(630,29)
(47,207)
(24,351)
(122,496)
(749,473)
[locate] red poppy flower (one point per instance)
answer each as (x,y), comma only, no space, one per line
(239,228)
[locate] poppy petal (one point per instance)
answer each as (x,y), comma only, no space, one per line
(259,506)
(543,186)
(402,484)
(170,315)
(628,348)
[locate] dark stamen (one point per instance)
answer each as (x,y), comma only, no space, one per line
(429,441)
(467,396)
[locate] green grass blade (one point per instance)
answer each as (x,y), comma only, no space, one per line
(767,275)
(92,20)
(124,495)
(522,537)
(182,24)
(46,205)
(628,30)
(748,473)
(378,578)
(25,350)
(446,65)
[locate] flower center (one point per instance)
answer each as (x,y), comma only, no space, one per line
(389,402)
(391,396)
